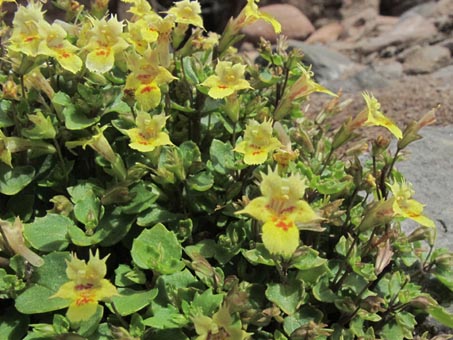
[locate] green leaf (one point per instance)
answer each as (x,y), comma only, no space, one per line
(5,119)
(441,315)
(173,334)
(43,128)
(206,248)
(259,255)
(190,154)
(222,156)
(157,215)
(130,301)
(143,196)
(74,119)
(87,205)
(157,249)
(12,324)
(189,72)
(307,258)
(48,233)
(13,180)
(46,281)
(206,303)
(165,318)
(322,292)
(79,238)
(301,318)
(202,181)
(287,296)
(125,276)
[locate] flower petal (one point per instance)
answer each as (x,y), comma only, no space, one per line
(280,237)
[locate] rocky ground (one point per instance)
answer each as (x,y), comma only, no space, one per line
(404,56)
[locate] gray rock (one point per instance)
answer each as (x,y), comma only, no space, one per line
(445,73)
(409,30)
(389,69)
(327,63)
(426,10)
(429,168)
(426,59)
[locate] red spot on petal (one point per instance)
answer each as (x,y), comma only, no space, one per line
(284,225)
(148,89)
(29,39)
(144,78)
(84,286)
(102,52)
(84,299)
(65,55)
(223,87)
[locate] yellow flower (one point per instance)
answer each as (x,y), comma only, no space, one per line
(141,34)
(405,206)
(187,12)
(148,134)
(281,210)
(146,78)
(220,326)
(227,80)
(104,41)
(25,36)
(54,44)
(251,13)
(302,87)
(139,8)
(376,118)
(258,142)
(86,287)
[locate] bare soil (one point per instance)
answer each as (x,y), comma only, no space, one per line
(405,100)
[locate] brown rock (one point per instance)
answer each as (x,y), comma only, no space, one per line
(295,25)
(326,34)
(426,59)
(410,30)
(360,24)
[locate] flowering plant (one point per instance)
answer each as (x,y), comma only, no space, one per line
(220,209)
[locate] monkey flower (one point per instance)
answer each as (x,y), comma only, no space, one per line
(405,206)
(187,12)
(258,142)
(86,287)
(376,118)
(105,40)
(281,209)
(228,79)
(148,134)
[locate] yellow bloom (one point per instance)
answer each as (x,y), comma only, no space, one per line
(220,326)
(25,36)
(405,206)
(148,134)
(228,79)
(139,8)
(5,152)
(258,142)
(86,287)
(54,44)
(146,78)
(281,209)
(141,34)
(376,117)
(187,12)
(302,87)
(251,13)
(105,40)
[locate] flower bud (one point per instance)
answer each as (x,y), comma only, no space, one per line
(378,213)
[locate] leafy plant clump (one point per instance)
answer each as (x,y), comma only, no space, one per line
(156,185)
